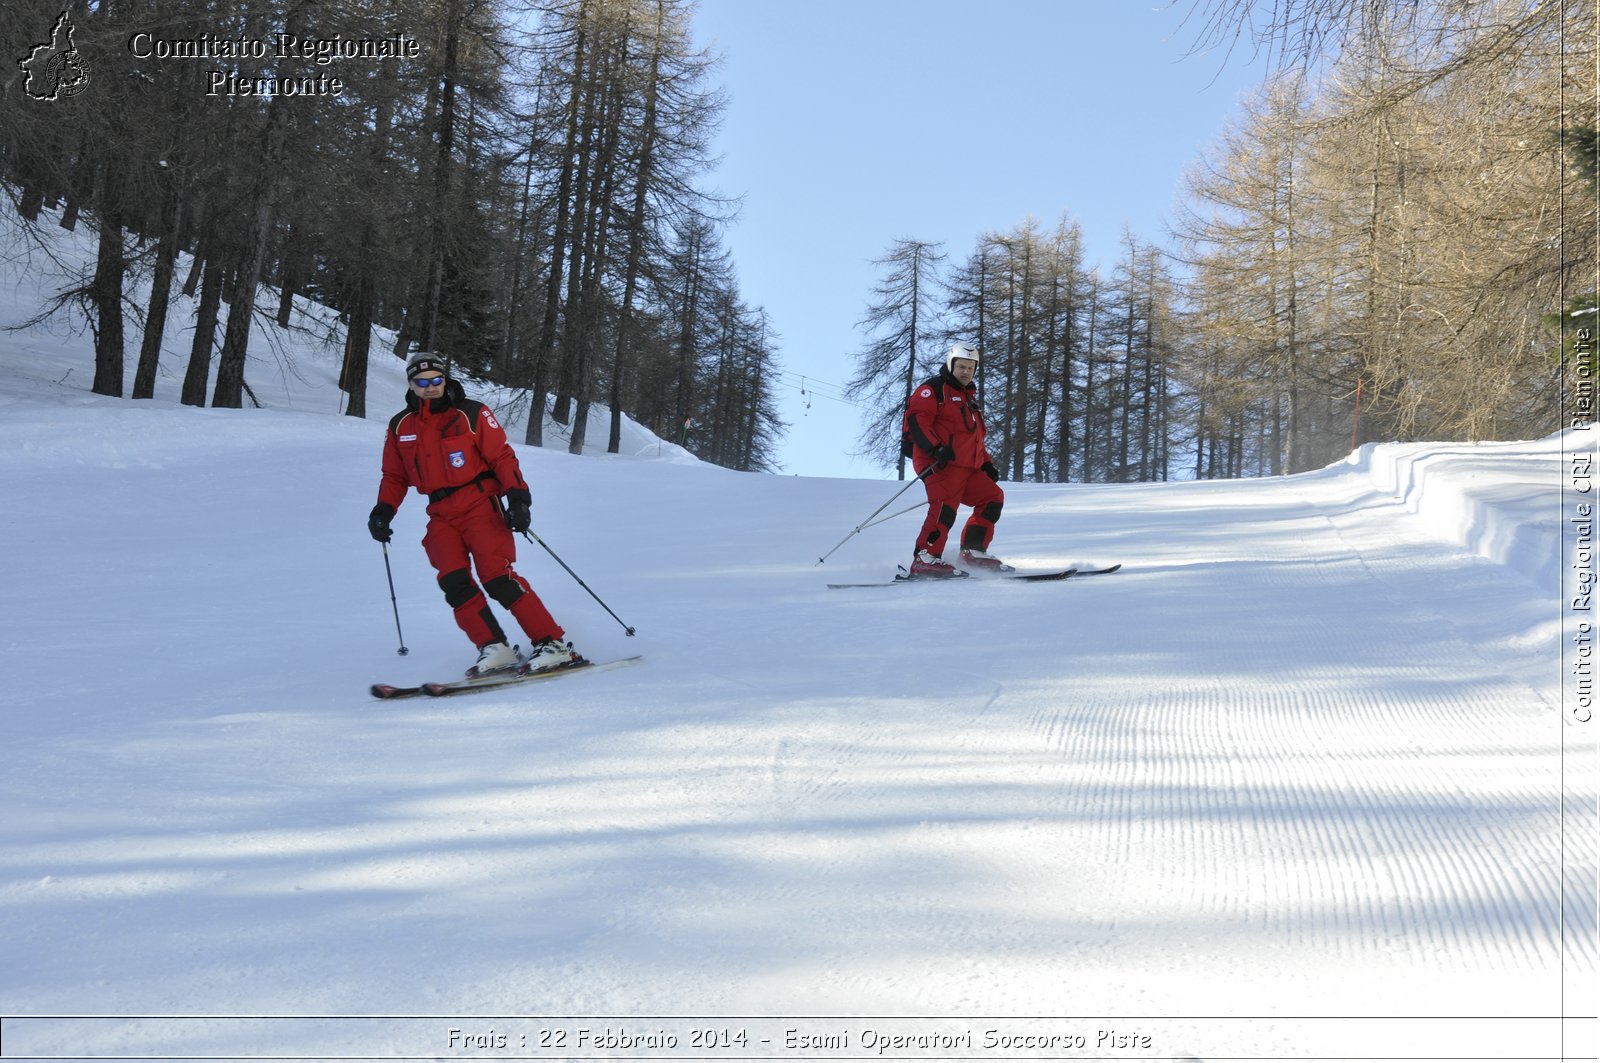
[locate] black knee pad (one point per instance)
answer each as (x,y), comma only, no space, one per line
(503,589)
(991,512)
(458,587)
(947,516)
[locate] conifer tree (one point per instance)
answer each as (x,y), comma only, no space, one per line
(900,324)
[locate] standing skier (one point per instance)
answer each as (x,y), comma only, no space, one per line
(452,449)
(945,428)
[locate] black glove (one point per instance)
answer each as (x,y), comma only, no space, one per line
(943,454)
(519,509)
(378,522)
(988,469)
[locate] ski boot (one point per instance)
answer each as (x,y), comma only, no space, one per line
(983,561)
(494,658)
(927,566)
(550,654)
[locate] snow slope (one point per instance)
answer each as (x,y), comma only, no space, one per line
(1301,781)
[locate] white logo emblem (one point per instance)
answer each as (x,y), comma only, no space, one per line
(926,392)
(458,458)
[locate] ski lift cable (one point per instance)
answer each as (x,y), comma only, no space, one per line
(810,387)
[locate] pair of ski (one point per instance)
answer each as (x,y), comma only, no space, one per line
(1029,577)
(494,680)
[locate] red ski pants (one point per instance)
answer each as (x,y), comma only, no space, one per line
(950,488)
(473,531)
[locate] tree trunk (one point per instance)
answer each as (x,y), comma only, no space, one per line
(358,333)
(442,180)
(593,299)
(155,323)
(357,349)
(229,392)
(591,209)
(636,235)
(290,277)
(545,352)
(107,294)
(205,335)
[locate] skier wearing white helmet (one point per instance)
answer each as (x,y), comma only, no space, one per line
(945,431)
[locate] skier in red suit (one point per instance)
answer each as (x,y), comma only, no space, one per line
(945,428)
(452,450)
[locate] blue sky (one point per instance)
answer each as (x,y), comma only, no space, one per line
(854,123)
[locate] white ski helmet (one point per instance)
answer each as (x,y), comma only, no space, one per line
(959,350)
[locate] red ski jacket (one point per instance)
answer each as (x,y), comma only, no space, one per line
(444,444)
(957,421)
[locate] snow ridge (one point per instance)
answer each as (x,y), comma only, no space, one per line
(1501,501)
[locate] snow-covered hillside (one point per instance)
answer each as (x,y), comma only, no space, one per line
(1303,780)
(287,369)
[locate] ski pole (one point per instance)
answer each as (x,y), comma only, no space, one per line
(892,516)
(533,536)
(390,573)
(867,523)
